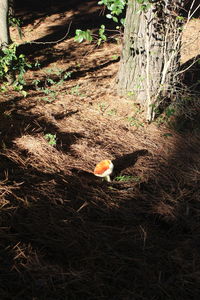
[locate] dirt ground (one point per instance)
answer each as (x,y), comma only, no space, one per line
(66,234)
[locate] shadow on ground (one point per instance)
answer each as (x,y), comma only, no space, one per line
(82,16)
(71,236)
(17,120)
(65,234)
(188,104)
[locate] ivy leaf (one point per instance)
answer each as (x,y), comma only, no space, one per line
(83,35)
(109,16)
(115,19)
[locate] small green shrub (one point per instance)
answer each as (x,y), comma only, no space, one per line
(16,22)
(82,35)
(125,178)
(51,139)
(13,68)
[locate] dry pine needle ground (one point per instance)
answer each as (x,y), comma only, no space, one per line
(66,234)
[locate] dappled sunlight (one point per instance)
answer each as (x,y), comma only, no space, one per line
(41,155)
(191,41)
(67,234)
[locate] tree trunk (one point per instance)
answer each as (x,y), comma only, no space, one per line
(4,27)
(151,52)
(5,39)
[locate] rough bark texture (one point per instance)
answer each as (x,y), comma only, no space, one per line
(6,10)
(151,52)
(4,28)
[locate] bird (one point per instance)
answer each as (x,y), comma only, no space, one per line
(103,169)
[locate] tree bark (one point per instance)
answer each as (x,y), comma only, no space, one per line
(151,52)
(4,27)
(5,39)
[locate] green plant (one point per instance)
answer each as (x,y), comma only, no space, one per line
(50,81)
(65,75)
(145,4)
(102,107)
(82,35)
(61,76)
(112,112)
(16,22)
(166,116)
(133,121)
(115,57)
(50,95)
(125,178)
(36,83)
(102,36)
(86,35)
(166,135)
(115,8)
(75,90)
(51,138)
(170,111)
(13,68)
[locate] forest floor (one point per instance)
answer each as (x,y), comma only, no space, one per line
(66,234)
